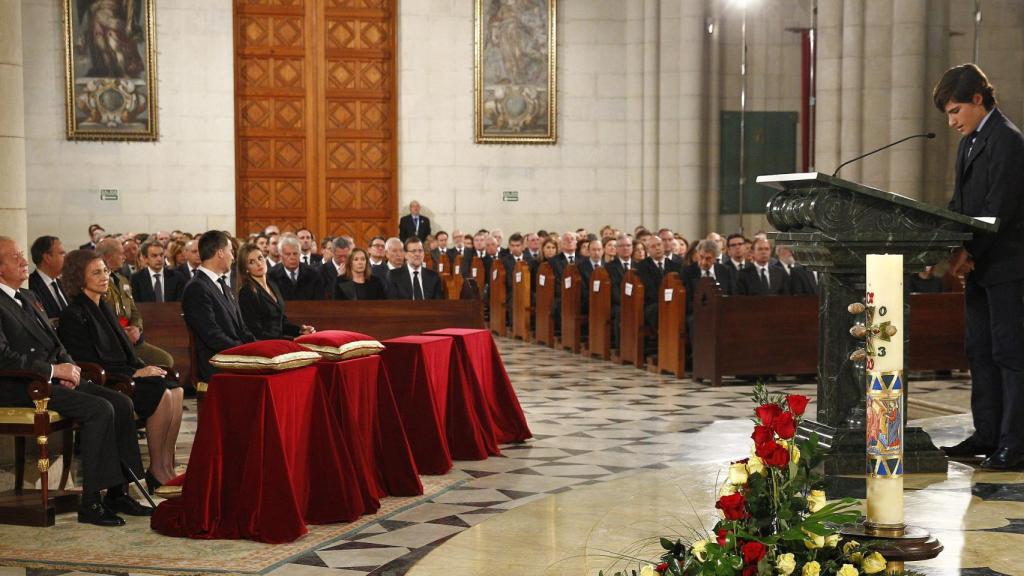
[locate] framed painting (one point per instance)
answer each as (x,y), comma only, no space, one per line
(515,72)
(110,70)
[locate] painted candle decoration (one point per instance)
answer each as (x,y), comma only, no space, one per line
(885,388)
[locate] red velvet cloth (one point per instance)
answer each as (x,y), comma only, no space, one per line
(269,457)
(479,365)
(418,369)
(359,394)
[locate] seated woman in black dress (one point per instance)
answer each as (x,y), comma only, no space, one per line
(359,283)
(260,299)
(91,333)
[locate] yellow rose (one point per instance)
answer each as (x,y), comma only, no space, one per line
(755,465)
(873,563)
(785,564)
(816,500)
(848,570)
(812,568)
(849,546)
(727,489)
(699,549)
(832,541)
(795,454)
(738,474)
(649,570)
(814,541)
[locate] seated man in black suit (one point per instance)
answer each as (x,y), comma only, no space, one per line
(414,281)
(652,271)
(394,259)
(131,258)
(154,282)
(801,280)
(334,264)
(28,343)
(736,250)
(296,280)
(209,305)
(706,266)
(762,279)
(306,243)
(413,224)
(377,251)
(588,265)
(48,256)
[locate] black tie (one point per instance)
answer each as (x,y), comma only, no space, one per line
(417,290)
(295,276)
(305,260)
(225,289)
(661,266)
(627,265)
(570,260)
(707,274)
(764,279)
(61,302)
(27,309)
(158,288)
(974,138)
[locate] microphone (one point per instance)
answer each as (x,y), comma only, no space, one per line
(928,135)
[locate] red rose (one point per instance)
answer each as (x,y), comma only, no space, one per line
(767,413)
(762,435)
(720,536)
(660,568)
(797,403)
(776,456)
(753,552)
(784,425)
(732,506)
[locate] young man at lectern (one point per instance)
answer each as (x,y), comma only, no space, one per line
(990,182)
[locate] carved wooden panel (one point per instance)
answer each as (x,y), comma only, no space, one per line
(315,123)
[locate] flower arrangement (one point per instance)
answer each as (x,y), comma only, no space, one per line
(775,518)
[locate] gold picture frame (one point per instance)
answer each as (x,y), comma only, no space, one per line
(515,65)
(110,90)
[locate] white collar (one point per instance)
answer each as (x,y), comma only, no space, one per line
(710,271)
(738,264)
(212,275)
(153,273)
(984,120)
(46,279)
(10,292)
(411,269)
(760,267)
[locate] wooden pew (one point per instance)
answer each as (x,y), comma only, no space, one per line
(762,335)
(543,322)
(631,321)
(672,326)
(498,299)
(521,307)
(573,319)
(457,266)
(444,266)
(477,273)
(453,286)
(382,319)
(428,260)
(599,340)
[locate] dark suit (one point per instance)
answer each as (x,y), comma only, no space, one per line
(214,319)
(108,424)
(990,182)
(309,284)
(749,282)
(371,289)
(467,268)
(407,228)
(142,285)
(651,277)
(315,260)
(692,274)
(399,286)
(45,295)
(616,272)
(586,268)
(263,315)
(801,280)
(185,272)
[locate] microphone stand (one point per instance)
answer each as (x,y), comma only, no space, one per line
(928,135)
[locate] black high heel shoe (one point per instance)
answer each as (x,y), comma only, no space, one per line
(151,482)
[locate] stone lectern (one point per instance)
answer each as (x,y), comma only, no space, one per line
(832,225)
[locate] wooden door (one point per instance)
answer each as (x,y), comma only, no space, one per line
(315,101)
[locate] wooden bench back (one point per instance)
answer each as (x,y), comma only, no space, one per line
(498,299)
(599,317)
(453,286)
(631,320)
(543,322)
(572,290)
(672,326)
(444,265)
(521,306)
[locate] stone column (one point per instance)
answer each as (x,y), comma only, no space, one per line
(850,140)
(909,96)
(13,216)
(829,96)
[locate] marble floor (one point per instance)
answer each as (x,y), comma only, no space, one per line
(619,455)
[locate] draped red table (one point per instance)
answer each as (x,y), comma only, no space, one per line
(359,393)
(477,370)
(418,369)
(269,457)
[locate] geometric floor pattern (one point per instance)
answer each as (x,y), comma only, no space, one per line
(593,421)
